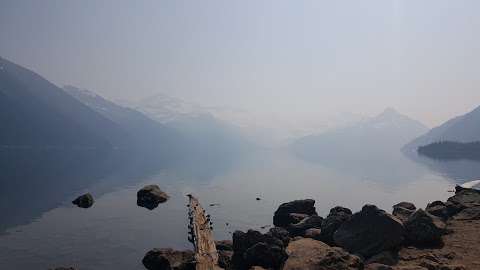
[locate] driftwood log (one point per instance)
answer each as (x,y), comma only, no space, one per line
(201,236)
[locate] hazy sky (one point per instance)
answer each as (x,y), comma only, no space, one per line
(292,58)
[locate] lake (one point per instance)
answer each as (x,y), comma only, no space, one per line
(40,228)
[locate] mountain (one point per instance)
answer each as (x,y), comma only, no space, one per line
(36,113)
(206,134)
(462,129)
(372,138)
(164,108)
(144,132)
(446,150)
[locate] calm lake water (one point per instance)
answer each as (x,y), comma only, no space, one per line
(40,228)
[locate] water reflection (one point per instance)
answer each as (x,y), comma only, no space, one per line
(42,229)
(459,171)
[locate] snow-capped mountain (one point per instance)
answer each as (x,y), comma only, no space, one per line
(380,135)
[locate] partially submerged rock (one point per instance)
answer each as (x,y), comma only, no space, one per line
(282,217)
(337,216)
(370,232)
(403,210)
(151,196)
(84,201)
(167,259)
(423,229)
(309,254)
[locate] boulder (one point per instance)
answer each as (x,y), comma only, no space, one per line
(313,233)
(309,254)
(465,198)
(282,217)
(438,209)
(337,216)
(254,248)
(167,259)
(281,234)
(150,196)
(424,229)
(310,222)
(265,255)
(224,245)
(84,201)
(472,213)
(370,232)
(403,210)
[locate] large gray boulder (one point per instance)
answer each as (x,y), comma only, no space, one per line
(169,259)
(283,217)
(280,234)
(465,197)
(309,254)
(370,232)
(337,216)
(84,201)
(265,255)
(424,229)
(254,248)
(151,196)
(403,210)
(438,209)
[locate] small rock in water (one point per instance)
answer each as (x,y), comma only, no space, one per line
(258,199)
(84,201)
(150,196)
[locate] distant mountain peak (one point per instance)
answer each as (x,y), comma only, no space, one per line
(389,113)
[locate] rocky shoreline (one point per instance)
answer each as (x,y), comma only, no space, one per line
(443,236)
